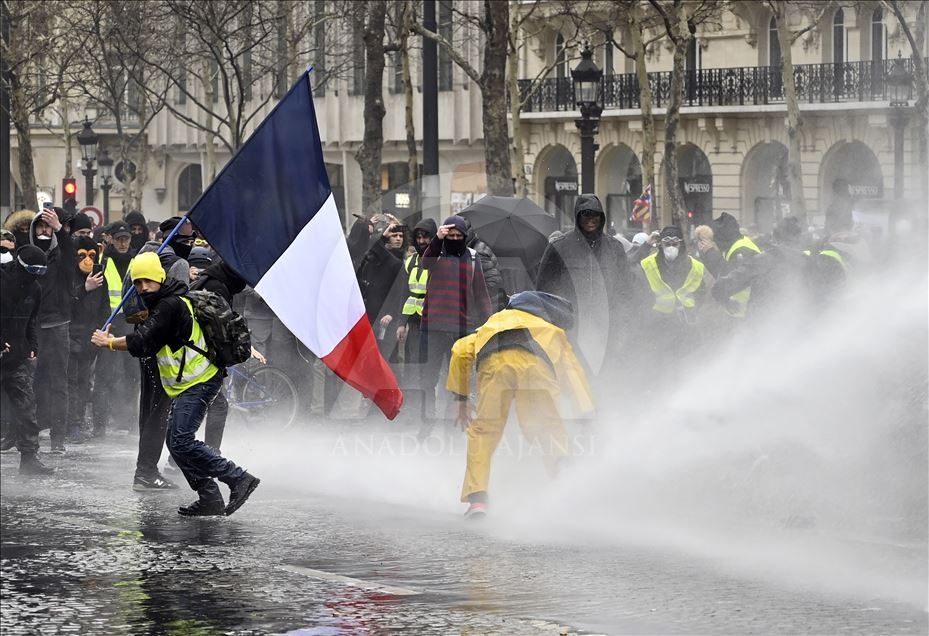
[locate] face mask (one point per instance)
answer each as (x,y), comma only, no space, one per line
(455,248)
(43,239)
(670,253)
(149,299)
(5,256)
(181,249)
(137,241)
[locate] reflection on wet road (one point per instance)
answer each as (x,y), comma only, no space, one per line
(83,554)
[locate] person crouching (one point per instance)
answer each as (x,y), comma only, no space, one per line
(190,380)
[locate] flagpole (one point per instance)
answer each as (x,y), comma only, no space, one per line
(131,289)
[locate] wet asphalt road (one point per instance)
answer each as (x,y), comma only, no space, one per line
(83,554)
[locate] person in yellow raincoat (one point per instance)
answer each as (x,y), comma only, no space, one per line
(522,354)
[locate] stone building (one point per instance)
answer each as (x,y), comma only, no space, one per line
(732,137)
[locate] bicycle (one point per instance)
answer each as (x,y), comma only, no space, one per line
(262,394)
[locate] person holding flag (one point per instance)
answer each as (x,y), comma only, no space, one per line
(190,380)
(642,207)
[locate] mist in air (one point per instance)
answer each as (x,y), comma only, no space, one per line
(797,450)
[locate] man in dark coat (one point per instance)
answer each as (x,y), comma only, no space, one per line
(19,340)
(491,269)
(139,229)
(89,309)
(589,269)
(50,234)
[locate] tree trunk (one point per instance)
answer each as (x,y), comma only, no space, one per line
(672,183)
(794,120)
(369,155)
(19,117)
(412,154)
(68,136)
(519,150)
(209,168)
(493,89)
(649,141)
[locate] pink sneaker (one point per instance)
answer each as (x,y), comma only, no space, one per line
(476,511)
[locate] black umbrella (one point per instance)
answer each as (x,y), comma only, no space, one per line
(512,227)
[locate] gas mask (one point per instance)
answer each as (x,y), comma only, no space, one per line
(670,252)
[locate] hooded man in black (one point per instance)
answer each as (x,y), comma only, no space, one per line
(589,269)
(19,339)
(139,229)
(50,234)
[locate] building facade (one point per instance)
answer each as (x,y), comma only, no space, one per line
(731,141)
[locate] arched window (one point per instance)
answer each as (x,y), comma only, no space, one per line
(838,37)
(561,57)
(774,44)
(189,187)
(878,37)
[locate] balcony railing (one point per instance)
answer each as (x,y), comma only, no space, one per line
(741,86)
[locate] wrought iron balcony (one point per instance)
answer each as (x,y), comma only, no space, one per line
(740,86)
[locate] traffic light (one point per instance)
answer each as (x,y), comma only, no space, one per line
(69,192)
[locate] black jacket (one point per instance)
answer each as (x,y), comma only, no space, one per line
(89,310)
(379,271)
(220,279)
(169,322)
(587,270)
(492,276)
(779,274)
(19,312)
(57,281)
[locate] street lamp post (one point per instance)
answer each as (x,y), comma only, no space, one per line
(587,96)
(899,82)
(106,173)
(88,139)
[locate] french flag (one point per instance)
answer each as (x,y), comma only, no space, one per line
(271,215)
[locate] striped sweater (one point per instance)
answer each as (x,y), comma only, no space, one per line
(456,295)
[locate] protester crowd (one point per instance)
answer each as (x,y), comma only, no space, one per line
(623,304)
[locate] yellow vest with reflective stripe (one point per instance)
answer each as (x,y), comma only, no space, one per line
(666,299)
(831,254)
(741,299)
(114,283)
(197,367)
(417,283)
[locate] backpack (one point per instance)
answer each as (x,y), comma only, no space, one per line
(226,333)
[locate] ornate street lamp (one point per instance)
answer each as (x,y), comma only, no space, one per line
(588,97)
(88,139)
(106,174)
(899,84)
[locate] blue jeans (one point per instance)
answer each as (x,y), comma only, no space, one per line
(199,463)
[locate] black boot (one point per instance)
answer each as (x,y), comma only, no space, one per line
(203,508)
(240,490)
(29,464)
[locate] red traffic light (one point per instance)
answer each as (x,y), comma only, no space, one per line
(69,188)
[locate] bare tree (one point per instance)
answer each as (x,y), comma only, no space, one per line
(525,25)
(494,24)
(679,20)
(37,60)
(405,28)
(916,37)
(113,73)
(782,10)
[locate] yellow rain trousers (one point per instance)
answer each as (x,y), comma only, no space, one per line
(516,374)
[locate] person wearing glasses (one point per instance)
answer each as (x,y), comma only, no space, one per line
(19,339)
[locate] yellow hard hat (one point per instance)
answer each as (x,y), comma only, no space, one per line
(147,266)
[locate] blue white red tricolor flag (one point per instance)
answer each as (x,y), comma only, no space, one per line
(642,208)
(271,215)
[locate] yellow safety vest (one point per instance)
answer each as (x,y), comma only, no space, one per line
(741,298)
(667,300)
(114,283)
(418,278)
(197,367)
(831,254)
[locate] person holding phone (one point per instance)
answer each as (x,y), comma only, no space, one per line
(89,309)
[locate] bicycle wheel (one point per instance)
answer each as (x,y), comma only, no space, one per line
(269,397)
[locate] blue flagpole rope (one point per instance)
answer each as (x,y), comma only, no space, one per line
(131,290)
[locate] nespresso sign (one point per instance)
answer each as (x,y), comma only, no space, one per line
(565,186)
(698,188)
(861,190)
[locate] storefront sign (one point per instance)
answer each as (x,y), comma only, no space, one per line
(565,186)
(861,190)
(700,188)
